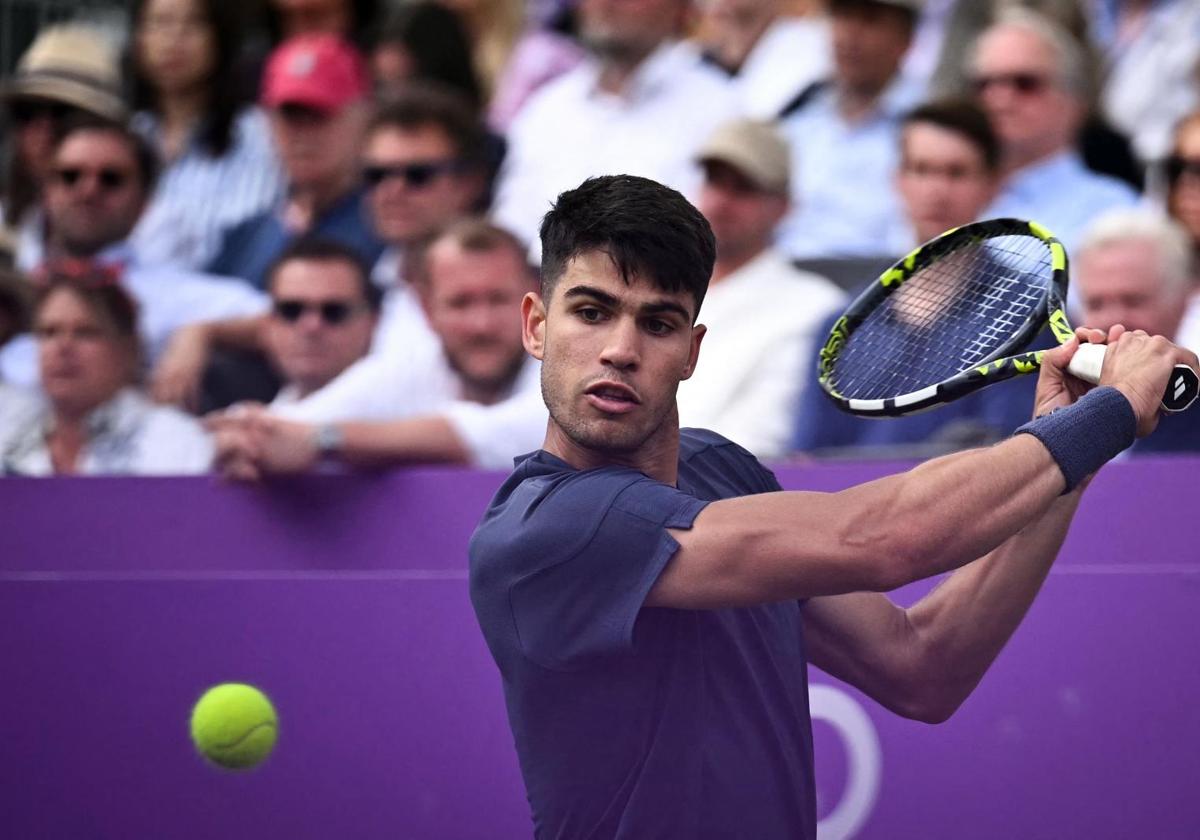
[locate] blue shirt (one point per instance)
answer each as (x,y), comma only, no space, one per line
(249,249)
(843,200)
(631,722)
(1061,194)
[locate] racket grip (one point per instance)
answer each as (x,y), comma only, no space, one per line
(1183,386)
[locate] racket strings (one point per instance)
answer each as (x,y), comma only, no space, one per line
(947,317)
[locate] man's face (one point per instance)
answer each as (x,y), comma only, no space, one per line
(869,42)
(416,183)
(943,179)
(83,362)
(473,302)
(1018,81)
(742,216)
(613,356)
(318,149)
(95,194)
(629,29)
(320,322)
(1122,283)
(1184,196)
(302,17)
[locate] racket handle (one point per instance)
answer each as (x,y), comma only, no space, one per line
(1183,386)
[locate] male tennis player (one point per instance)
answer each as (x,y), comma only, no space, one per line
(651,595)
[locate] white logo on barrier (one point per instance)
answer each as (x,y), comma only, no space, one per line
(864,760)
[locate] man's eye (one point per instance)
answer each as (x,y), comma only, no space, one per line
(589,314)
(657,327)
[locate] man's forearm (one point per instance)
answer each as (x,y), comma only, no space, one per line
(963,624)
(419,439)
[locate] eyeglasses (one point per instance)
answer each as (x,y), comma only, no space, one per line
(415,175)
(25,111)
(332,312)
(1177,166)
(108,179)
(1026,84)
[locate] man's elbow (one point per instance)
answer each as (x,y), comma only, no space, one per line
(929,705)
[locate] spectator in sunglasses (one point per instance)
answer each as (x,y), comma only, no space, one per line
(94,419)
(100,179)
(67,72)
(1029,75)
(1183,204)
(423,166)
(323,311)
(315,91)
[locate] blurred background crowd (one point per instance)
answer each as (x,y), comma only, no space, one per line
(271,236)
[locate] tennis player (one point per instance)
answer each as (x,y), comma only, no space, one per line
(652,596)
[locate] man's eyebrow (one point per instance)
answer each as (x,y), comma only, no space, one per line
(655,308)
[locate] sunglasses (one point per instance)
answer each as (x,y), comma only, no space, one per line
(25,111)
(332,312)
(1026,84)
(109,179)
(1176,166)
(415,175)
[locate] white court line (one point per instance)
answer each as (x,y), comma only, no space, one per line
(42,576)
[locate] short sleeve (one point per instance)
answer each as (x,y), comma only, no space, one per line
(575,561)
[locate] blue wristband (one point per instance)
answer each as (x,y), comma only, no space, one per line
(1085,436)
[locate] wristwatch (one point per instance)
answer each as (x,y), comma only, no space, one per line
(328,439)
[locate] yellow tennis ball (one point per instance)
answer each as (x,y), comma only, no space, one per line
(234,725)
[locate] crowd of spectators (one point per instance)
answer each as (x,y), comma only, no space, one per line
(296,236)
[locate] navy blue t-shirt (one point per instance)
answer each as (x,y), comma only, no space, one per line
(635,722)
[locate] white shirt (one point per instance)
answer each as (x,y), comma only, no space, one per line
(381,387)
(570,131)
(128,435)
(761,322)
(1189,328)
(402,329)
(788,57)
(167,299)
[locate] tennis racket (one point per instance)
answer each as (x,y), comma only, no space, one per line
(954,316)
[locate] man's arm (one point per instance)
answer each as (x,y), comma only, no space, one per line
(924,661)
(177,376)
(937,517)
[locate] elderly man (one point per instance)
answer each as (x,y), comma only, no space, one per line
(315,88)
(101,178)
(843,136)
(642,104)
(761,312)
(1029,75)
(1133,267)
(476,402)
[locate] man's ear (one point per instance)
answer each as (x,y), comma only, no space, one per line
(698,332)
(533,324)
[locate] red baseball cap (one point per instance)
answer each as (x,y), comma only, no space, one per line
(322,72)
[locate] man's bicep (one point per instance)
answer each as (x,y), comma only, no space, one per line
(768,548)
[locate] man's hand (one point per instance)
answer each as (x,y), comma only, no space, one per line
(251,443)
(1139,365)
(176,378)
(1056,387)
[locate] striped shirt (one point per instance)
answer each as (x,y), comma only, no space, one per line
(199,196)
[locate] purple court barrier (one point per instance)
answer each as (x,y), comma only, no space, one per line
(345,599)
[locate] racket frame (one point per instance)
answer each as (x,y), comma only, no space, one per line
(1005,362)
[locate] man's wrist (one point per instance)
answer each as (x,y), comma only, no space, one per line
(328,440)
(1085,436)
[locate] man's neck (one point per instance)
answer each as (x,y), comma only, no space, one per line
(307,203)
(1019,159)
(855,103)
(492,391)
(617,71)
(657,458)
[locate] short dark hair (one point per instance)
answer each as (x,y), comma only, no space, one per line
(908,14)
(474,235)
(964,118)
(144,156)
(324,249)
(422,104)
(98,286)
(647,229)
